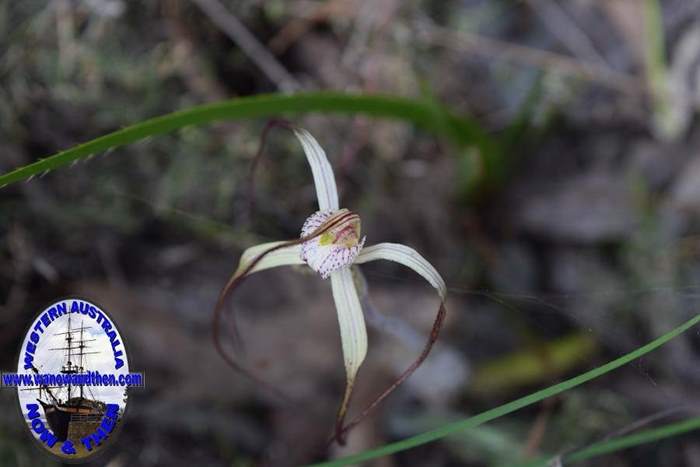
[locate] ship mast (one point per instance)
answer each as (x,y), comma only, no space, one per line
(82,347)
(70,368)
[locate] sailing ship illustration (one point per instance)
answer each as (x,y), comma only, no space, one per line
(69,412)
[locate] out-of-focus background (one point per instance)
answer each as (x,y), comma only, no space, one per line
(583,248)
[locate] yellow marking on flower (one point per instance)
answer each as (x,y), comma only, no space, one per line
(335,249)
(326,239)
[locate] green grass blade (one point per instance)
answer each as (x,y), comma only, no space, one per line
(623,442)
(643,437)
(517,404)
(424,114)
(666,124)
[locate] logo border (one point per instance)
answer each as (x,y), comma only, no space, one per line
(109,443)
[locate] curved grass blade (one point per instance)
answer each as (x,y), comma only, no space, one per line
(512,406)
(623,442)
(636,439)
(424,114)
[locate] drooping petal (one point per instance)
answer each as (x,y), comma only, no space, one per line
(353,333)
(407,256)
(336,248)
(324,180)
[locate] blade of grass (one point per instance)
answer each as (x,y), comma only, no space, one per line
(424,114)
(665,125)
(636,439)
(624,442)
(512,406)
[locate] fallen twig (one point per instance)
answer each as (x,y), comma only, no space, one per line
(258,53)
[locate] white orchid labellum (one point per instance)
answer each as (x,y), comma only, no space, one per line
(330,244)
(335,249)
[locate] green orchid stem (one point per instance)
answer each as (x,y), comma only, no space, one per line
(512,406)
(428,115)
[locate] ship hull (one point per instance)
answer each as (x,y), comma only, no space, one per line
(64,419)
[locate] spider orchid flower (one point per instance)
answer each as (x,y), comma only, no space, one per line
(330,243)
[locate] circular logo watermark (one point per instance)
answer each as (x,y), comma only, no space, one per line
(72,379)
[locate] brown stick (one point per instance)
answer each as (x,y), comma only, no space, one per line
(249,44)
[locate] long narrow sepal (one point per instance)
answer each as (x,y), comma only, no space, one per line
(353,335)
(324,180)
(407,256)
(286,256)
(410,258)
(321,170)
